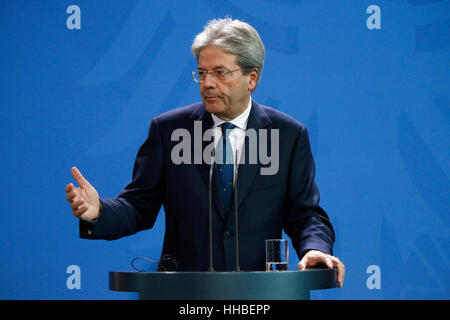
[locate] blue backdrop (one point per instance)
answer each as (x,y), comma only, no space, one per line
(80,81)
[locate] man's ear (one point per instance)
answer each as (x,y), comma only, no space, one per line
(253,79)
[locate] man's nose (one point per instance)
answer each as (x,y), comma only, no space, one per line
(209,81)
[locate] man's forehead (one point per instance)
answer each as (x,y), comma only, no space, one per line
(215,58)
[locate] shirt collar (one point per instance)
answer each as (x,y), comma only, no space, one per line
(240,121)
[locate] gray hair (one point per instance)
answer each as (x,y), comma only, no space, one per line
(236,37)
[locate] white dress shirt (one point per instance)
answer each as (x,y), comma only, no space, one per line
(237,135)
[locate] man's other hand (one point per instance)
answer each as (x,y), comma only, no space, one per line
(84,201)
(316,258)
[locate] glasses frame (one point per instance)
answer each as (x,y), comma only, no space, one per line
(215,74)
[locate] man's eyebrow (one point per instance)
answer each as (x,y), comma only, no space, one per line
(215,68)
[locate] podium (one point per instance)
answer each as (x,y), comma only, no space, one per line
(257,285)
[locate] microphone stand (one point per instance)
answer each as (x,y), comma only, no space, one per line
(237,269)
(211,268)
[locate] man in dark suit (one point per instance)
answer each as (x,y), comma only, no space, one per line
(175,172)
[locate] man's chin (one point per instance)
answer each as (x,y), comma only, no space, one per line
(215,108)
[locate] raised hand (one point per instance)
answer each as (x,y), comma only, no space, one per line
(84,200)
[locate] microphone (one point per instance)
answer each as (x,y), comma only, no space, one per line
(237,269)
(213,154)
(168,263)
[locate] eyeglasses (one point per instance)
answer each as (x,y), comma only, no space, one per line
(200,75)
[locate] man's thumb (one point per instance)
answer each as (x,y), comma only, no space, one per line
(79,178)
(301,265)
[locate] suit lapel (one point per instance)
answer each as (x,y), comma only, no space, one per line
(257,119)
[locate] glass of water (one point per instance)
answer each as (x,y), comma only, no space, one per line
(277,254)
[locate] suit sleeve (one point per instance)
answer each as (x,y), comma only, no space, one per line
(305,222)
(137,206)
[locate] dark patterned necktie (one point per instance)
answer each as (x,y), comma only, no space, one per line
(225,167)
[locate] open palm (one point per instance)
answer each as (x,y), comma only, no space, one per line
(84,200)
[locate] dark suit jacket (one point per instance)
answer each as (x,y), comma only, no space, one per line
(266,203)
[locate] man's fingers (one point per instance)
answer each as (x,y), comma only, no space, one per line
(71,195)
(340,268)
(313,258)
(69,187)
(79,178)
(302,265)
(340,273)
(75,204)
(77,213)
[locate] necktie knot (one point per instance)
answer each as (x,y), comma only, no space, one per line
(226,128)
